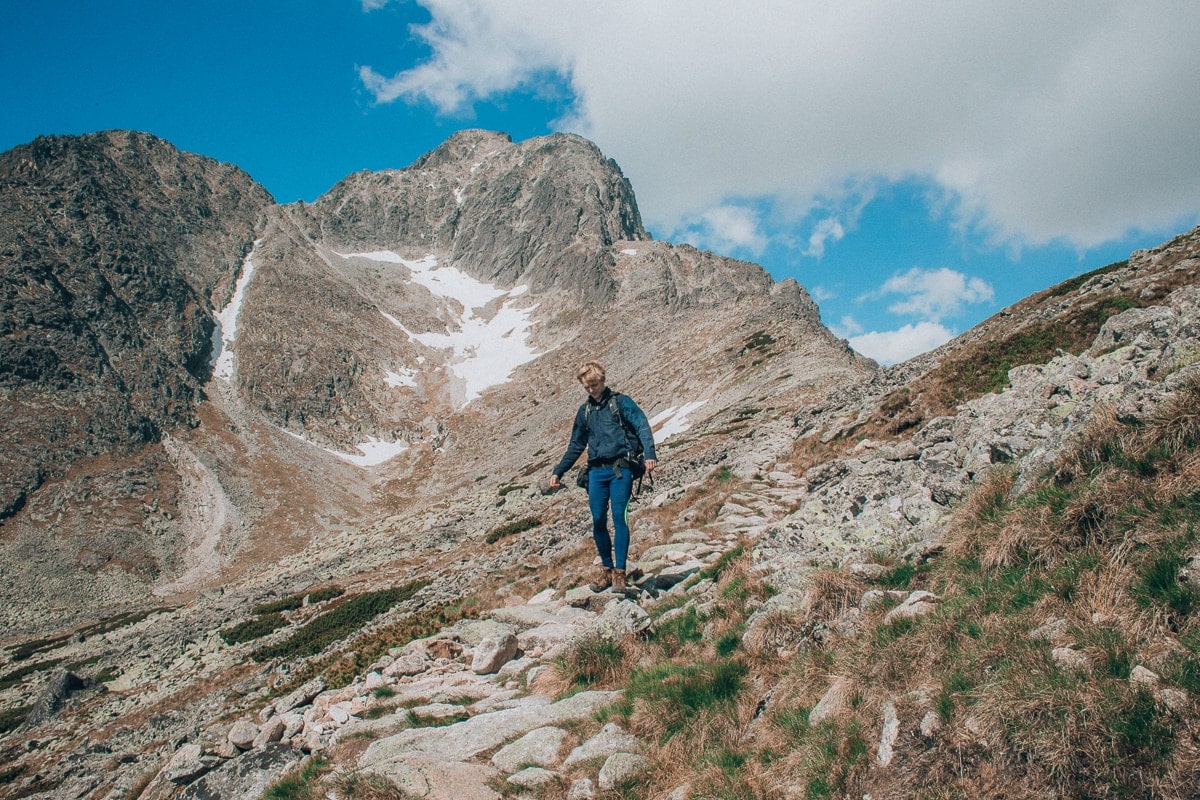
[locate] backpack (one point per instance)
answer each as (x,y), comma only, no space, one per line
(633,461)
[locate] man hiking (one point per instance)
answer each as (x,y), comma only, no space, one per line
(618,439)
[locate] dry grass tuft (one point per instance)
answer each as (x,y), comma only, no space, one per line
(831,592)
(981,516)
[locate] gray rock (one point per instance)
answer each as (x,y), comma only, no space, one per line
(437,712)
(59,687)
(407,664)
(611,739)
(1051,631)
(246,777)
(187,764)
(540,747)
(582,789)
(1068,658)
(618,769)
(492,653)
(832,702)
(301,697)
(1140,676)
(270,731)
(619,619)
(532,777)
(484,732)
(888,735)
(242,734)
(917,604)
(473,632)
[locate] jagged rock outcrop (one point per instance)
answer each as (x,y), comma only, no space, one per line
(544,212)
(776,439)
(112,248)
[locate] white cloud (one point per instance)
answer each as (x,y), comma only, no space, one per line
(892,347)
(847,327)
(725,228)
(1039,121)
(825,230)
(934,294)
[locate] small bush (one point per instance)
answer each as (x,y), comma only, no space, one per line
(512,528)
(295,601)
(1158,582)
(682,629)
(675,692)
(301,785)
(590,661)
(11,679)
(1144,735)
(11,718)
(252,629)
(338,623)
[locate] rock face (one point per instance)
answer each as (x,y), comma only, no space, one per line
(138,567)
(213,364)
(113,247)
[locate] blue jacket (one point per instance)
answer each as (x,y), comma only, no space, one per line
(598,430)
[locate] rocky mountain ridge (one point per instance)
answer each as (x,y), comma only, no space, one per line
(789,450)
(113,249)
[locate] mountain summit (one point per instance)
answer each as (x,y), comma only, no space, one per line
(209,362)
(272,503)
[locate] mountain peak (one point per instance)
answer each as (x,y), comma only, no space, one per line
(465,145)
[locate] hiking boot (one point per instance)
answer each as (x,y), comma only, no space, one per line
(618,580)
(604,579)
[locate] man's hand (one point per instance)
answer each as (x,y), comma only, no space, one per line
(650,465)
(555,483)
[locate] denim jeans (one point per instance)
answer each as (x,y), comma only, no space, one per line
(610,485)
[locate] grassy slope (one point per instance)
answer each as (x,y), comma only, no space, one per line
(1095,550)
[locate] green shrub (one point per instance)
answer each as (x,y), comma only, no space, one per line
(685,628)
(301,785)
(1158,582)
(252,629)
(512,528)
(679,691)
(11,679)
(758,340)
(726,560)
(295,601)
(590,660)
(11,718)
(1144,734)
(338,623)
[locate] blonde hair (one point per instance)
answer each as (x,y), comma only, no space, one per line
(590,369)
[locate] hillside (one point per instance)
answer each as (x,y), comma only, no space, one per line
(968,575)
(353,347)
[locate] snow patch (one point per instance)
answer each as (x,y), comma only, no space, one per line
(225,332)
(374,451)
(673,420)
(405,377)
(630,252)
(483,351)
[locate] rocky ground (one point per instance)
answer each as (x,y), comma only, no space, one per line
(451,714)
(149,699)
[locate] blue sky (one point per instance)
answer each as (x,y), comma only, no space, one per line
(916,166)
